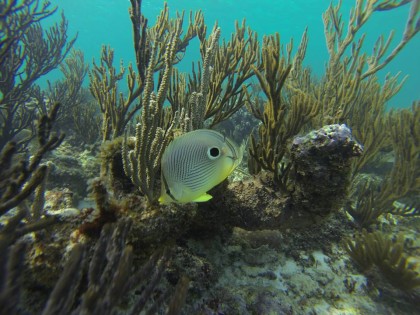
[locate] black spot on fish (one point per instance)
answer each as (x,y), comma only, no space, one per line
(214,152)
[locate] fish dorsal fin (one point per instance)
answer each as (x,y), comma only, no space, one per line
(203,198)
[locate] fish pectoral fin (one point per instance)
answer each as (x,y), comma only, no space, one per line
(203,198)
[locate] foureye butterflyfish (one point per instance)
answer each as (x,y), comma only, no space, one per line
(195,162)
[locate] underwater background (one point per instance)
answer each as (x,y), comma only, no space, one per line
(100,22)
(116,198)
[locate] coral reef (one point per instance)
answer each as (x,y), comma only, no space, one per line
(270,242)
(106,276)
(322,167)
(238,127)
(157,124)
(348,75)
(72,168)
(141,165)
(79,116)
(110,278)
(254,203)
(369,200)
(20,179)
(27,52)
(375,249)
(216,90)
(274,272)
(118,110)
(282,117)
(321,157)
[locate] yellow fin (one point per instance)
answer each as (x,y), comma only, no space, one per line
(164,200)
(203,198)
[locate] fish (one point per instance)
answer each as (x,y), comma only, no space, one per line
(195,162)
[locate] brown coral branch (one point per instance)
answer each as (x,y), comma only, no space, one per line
(403,180)
(11,277)
(411,29)
(29,11)
(140,39)
(233,67)
(62,297)
(285,111)
(118,110)
(368,249)
(30,185)
(21,179)
(153,133)
(348,69)
(33,53)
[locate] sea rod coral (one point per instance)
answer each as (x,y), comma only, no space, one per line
(27,52)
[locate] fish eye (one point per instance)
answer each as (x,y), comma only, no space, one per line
(213,153)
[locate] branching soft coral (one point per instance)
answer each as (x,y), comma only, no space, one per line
(375,249)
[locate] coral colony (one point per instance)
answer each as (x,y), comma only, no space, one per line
(320,217)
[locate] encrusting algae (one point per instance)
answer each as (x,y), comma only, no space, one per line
(335,176)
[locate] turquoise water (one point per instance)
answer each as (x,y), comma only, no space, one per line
(106,22)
